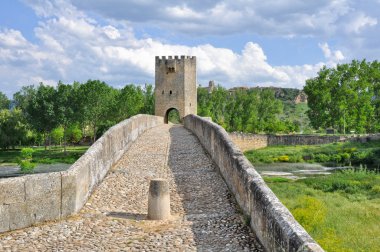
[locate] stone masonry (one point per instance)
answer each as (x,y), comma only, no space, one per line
(175,86)
(205,216)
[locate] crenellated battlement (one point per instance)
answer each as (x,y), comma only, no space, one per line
(162,59)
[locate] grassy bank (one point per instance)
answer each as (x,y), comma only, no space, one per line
(340,211)
(42,156)
(335,153)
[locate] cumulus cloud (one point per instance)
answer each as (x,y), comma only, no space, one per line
(271,17)
(359,22)
(74,46)
(333,57)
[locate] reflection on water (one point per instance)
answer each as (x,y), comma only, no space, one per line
(295,170)
(14,170)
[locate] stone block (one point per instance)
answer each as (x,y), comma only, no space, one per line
(12,190)
(83,181)
(20,216)
(43,196)
(4,218)
(44,185)
(69,193)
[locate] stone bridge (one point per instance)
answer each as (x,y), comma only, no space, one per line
(218,201)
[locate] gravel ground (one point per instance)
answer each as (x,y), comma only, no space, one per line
(205,217)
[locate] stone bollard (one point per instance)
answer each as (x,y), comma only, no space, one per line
(159,200)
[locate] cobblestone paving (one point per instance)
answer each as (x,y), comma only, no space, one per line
(204,216)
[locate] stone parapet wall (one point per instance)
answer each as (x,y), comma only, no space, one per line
(256,141)
(249,141)
(302,139)
(272,222)
(34,198)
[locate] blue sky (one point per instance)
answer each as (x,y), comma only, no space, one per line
(237,43)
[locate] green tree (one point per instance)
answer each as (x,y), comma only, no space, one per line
(40,111)
(129,102)
(268,110)
(74,134)
(57,135)
(148,100)
(97,99)
(65,107)
(23,97)
(13,128)
(345,97)
(4,101)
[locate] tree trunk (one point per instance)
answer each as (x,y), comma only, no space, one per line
(46,141)
(64,140)
(94,138)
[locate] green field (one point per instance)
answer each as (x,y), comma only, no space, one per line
(41,156)
(335,154)
(340,211)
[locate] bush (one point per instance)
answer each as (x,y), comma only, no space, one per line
(27,153)
(25,163)
(321,158)
(283,158)
(310,212)
(345,157)
(296,159)
(26,166)
(362,156)
(336,158)
(276,180)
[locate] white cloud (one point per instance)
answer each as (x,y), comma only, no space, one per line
(333,57)
(12,38)
(111,32)
(271,17)
(73,46)
(359,22)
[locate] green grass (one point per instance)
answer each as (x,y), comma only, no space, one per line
(340,211)
(50,156)
(338,153)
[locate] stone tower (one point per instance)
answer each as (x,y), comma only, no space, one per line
(175,86)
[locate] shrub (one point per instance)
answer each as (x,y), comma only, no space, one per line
(345,157)
(336,158)
(283,158)
(310,212)
(296,159)
(25,163)
(321,158)
(26,166)
(27,153)
(376,189)
(276,180)
(362,156)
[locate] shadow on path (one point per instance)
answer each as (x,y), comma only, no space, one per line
(217,224)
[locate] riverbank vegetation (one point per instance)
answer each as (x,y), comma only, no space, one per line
(341,211)
(68,114)
(52,155)
(335,154)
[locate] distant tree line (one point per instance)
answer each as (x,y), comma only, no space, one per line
(68,113)
(251,110)
(346,97)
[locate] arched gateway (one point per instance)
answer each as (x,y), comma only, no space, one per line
(175,86)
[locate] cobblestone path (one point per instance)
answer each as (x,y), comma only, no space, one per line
(204,215)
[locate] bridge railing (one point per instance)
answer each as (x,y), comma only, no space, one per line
(34,198)
(269,218)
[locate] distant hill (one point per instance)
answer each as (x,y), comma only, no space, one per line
(283,94)
(288,94)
